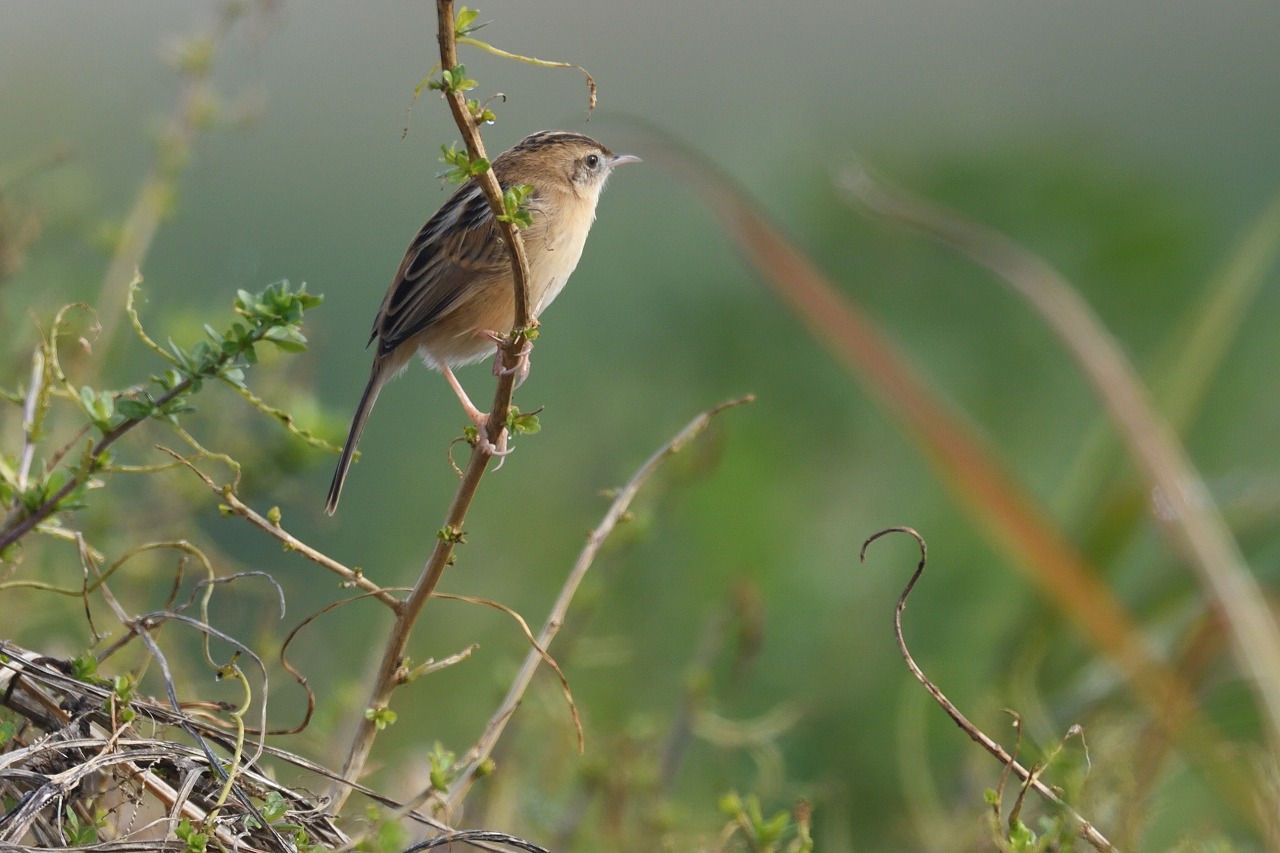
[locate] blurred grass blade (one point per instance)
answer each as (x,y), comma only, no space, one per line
(1191,357)
(158,192)
(1196,351)
(1011,517)
(1190,517)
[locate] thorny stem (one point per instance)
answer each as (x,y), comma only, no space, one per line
(1028,777)
(390,669)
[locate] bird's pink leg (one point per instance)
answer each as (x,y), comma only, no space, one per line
(479,418)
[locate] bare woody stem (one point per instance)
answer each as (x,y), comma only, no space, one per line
(391,670)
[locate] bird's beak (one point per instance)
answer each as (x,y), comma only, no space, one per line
(624,159)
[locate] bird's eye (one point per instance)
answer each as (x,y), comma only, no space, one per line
(593,161)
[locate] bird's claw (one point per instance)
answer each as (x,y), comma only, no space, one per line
(500,450)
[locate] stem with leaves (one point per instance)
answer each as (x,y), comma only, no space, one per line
(273,316)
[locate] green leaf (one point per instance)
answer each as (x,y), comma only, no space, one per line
(122,686)
(526,424)
(1021,836)
(770,832)
(274,807)
(380,717)
(286,342)
(730,804)
(183,359)
(134,410)
(479,112)
(196,842)
(448,534)
(513,201)
(455,79)
(465,22)
(85,668)
(442,767)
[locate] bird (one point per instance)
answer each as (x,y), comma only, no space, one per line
(452,296)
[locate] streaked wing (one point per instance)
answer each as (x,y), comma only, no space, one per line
(457,246)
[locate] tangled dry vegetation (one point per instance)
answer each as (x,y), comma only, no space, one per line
(87,765)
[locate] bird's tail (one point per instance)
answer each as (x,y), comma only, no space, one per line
(367,399)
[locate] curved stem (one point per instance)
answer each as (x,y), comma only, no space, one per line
(1030,778)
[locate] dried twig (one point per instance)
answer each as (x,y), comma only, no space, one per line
(1029,777)
(555,619)
(350,577)
(81,739)
(474,837)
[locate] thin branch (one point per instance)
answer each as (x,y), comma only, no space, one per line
(1189,513)
(474,838)
(1029,777)
(350,577)
(555,620)
(296,673)
(541,63)
(536,648)
(93,459)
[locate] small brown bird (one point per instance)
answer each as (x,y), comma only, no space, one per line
(453,292)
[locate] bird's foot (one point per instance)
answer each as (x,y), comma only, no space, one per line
(520,368)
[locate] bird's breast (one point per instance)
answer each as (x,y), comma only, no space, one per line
(553,256)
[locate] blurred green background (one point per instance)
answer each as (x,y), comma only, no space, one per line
(1131,144)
